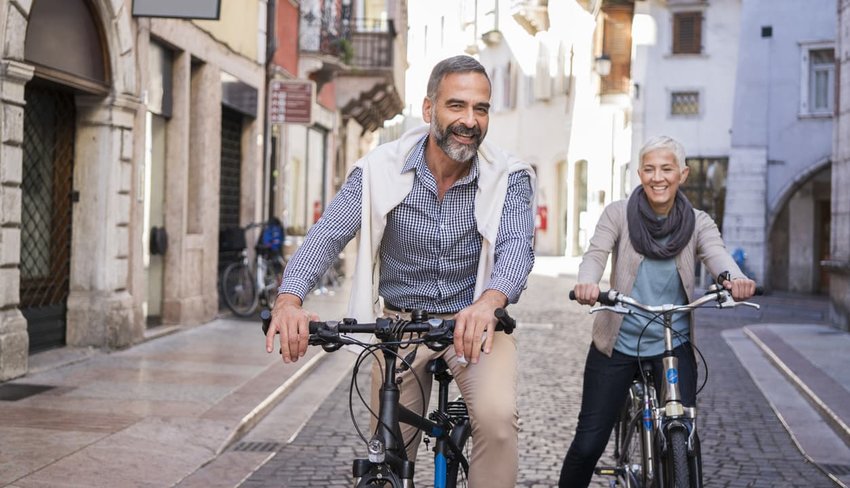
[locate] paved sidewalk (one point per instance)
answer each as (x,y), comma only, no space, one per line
(802,371)
(150,415)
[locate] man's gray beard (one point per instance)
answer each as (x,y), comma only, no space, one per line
(462,153)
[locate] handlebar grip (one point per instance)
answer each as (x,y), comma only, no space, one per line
(507,322)
(605,297)
(759,290)
(266,317)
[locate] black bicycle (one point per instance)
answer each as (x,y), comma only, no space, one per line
(386,464)
(656,443)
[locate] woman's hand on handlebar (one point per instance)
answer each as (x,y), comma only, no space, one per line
(741,288)
(586,293)
(293,323)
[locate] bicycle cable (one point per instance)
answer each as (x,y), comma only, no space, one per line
(684,340)
(354,386)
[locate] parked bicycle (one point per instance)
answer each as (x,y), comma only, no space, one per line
(386,465)
(656,443)
(250,283)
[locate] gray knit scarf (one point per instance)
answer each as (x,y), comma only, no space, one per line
(645,228)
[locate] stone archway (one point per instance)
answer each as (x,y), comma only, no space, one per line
(99,306)
(798,232)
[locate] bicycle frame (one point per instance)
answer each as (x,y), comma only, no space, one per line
(387,460)
(660,421)
(390,449)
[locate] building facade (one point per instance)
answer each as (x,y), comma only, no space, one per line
(112,135)
(132,146)
(778,185)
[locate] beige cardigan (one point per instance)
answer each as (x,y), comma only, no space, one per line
(612,236)
(385,186)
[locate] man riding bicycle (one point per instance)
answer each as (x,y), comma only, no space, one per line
(445,225)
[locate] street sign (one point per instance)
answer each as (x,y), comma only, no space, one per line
(291,101)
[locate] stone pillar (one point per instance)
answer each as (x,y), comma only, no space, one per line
(190,295)
(14,339)
(744,222)
(100,308)
(839,263)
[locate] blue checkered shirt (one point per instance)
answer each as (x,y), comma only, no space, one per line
(430,248)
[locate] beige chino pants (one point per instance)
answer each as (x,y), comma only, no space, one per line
(489,389)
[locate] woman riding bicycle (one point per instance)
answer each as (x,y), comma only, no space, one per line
(655,238)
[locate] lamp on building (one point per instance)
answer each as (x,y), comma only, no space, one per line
(602,64)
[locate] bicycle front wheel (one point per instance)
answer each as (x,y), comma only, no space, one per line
(238,290)
(677,458)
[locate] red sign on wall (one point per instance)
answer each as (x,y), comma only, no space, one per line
(291,101)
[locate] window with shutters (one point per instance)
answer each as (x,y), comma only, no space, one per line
(617,45)
(687,32)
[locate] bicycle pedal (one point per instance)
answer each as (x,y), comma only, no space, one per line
(609,471)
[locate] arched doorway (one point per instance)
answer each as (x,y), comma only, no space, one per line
(800,233)
(65,45)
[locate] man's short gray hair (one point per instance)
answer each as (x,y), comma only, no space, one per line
(666,143)
(454,64)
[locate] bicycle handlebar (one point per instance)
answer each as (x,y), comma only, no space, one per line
(610,299)
(437,332)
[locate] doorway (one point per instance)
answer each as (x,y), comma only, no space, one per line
(47,196)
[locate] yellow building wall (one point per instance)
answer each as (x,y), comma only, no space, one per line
(238,26)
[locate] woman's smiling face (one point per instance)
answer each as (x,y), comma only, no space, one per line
(660,176)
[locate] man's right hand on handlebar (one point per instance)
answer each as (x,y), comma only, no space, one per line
(586,293)
(293,323)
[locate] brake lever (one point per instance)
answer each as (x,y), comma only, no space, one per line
(618,308)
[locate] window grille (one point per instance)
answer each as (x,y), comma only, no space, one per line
(684,103)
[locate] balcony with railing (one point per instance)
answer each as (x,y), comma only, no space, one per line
(368,90)
(324,48)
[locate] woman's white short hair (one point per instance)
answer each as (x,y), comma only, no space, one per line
(666,143)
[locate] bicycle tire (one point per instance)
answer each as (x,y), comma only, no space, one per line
(695,464)
(238,289)
(677,458)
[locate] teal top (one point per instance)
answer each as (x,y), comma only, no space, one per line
(657,282)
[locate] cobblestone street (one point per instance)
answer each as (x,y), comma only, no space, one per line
(744,444)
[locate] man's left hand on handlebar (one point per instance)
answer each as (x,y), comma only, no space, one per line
(741,288)
(472,322)
(293,323)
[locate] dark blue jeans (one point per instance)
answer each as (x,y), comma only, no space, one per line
(606,384)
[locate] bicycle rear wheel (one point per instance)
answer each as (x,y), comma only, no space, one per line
(238,290)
